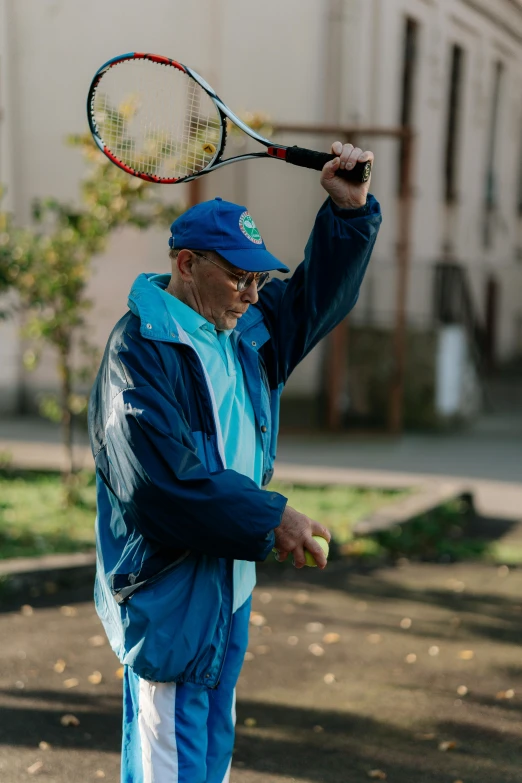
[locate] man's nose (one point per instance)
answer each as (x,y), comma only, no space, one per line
(250,294)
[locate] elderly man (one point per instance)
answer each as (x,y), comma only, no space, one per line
(183,423)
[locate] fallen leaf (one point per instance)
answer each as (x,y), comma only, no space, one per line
(331,638)
(411,658)
(314,627)
(466,655)
(27,610)
(425,737)
(445,746)
(249,656)
(95,678)
(59,666)
(44,745)
(456,585)
(50,588)
(69,720)
(377,774)
(292,640)
(405,623)
(509,694)
(119,673)
(316,649)
(329,678)
(71,682)
(301,597)
(374,638)
(257,619)
(265,598)
(35,768)
(96,641)
(250,722)
(68,611)
(462,690)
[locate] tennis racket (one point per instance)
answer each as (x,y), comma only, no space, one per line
(159,120)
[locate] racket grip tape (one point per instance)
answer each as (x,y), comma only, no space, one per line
(309,159)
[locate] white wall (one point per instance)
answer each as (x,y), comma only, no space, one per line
(302,61)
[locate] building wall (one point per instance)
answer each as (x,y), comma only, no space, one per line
(302,61)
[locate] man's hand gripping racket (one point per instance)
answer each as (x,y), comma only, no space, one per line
(159,120)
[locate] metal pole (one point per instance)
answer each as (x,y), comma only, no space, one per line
(396,410)
(337,374)
(337,361)
(195,192)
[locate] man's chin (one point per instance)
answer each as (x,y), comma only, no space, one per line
(228,322)
(232,318)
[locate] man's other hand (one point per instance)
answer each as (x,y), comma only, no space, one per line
(294,535)
(347,195)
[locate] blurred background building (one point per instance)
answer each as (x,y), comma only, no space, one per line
(451,70)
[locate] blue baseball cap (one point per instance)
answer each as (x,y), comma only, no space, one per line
(229,230)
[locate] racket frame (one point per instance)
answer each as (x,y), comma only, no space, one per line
(277,151)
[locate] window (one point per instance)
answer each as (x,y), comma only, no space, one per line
(491,184)
(409,65)
(451,151)
(520,178)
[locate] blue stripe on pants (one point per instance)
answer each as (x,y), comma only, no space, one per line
(183,733)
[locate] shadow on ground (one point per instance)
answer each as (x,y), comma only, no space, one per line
(34,715)
(347,748)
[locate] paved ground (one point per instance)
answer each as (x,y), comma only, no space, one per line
(493,450)
(348,672)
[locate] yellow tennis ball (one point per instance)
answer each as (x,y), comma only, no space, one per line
(209,148)
(323,543)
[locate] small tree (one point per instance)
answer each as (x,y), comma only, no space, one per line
(50,267)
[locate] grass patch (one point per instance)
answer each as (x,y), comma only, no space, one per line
(444,534)
(337,507)
(33,519)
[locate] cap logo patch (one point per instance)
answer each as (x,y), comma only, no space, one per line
(249,228)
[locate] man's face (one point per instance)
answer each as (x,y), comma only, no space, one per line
(215,290)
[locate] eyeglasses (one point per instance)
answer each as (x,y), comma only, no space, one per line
(243,281)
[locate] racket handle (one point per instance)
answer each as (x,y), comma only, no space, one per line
(309,159)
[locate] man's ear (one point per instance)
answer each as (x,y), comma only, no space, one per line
(184,263)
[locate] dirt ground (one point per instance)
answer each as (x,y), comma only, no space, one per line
(410,674)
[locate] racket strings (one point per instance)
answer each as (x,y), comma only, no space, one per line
(157,120)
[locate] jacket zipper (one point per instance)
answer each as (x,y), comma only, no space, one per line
(229,633)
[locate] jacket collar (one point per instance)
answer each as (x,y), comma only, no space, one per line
(146,302)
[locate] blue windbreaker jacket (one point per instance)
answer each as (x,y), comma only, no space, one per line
(171,517)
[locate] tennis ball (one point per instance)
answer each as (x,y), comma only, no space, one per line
(323,543)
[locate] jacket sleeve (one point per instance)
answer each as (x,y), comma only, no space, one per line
(153,469)
(303,309)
